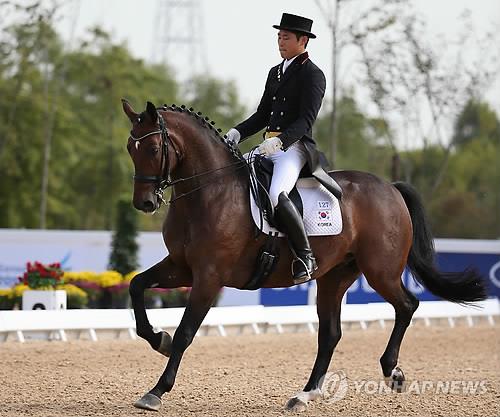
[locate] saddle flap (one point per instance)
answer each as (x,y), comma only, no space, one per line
(321,210)
(263,168)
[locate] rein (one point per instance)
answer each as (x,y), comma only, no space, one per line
(164,181)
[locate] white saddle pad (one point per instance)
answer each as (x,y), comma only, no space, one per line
(322,216)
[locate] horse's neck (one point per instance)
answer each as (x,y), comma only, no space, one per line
(210,207)
(209,164)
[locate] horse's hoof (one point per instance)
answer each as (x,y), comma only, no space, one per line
(296,404)
(165,347)
(397,380)
(148,402)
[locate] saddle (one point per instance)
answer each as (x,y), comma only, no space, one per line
(261,171)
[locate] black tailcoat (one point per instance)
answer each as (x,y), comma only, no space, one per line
(290,104)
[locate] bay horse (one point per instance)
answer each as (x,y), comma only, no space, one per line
(212,242)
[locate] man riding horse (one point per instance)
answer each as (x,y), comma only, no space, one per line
(291,101)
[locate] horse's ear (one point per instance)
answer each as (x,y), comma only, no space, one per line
(151,110)
(129,111)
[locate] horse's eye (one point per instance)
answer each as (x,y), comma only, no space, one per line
(139,120)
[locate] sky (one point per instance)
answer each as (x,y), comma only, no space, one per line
(236,38)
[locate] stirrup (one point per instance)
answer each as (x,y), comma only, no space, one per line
(304,278)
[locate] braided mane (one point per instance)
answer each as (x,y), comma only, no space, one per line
(205,122)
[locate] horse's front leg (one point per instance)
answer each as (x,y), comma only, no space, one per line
(203,294)
(164,274)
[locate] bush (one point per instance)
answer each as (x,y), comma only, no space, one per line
(124,248)
(7,301)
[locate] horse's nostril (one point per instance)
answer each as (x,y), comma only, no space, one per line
(148,205)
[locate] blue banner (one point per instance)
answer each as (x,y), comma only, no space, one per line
(488,265)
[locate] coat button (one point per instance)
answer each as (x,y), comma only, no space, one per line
(274,98)
(281,114)
(278,128)
(272,113)
(284,98)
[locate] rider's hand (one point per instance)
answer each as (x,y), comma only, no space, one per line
(233,136)
(270,146)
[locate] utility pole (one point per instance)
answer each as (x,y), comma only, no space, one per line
(178,38)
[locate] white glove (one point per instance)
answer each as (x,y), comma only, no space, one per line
(270,146)
(233,136)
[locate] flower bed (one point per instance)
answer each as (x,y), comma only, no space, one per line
(88,289)
(109,289)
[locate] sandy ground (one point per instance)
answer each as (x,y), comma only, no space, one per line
(253,375)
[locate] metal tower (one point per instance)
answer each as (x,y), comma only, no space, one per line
(178,37)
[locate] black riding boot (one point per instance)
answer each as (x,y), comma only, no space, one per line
(290,222)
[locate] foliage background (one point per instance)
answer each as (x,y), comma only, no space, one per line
(64,165)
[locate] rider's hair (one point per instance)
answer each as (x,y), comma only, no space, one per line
(299,34)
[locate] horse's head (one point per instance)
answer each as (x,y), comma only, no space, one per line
(149,149)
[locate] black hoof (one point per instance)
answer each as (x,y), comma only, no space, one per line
(148,402)
(165,347)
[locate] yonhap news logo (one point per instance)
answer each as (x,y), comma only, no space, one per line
(335,386)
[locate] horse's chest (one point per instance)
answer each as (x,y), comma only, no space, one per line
(176,235)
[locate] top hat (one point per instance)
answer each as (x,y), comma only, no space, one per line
(295,23)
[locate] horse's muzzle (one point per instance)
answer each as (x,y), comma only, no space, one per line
(148,205)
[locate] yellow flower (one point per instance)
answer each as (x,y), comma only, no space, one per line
(110,279)
(6,292)
(17,290)
(130,276)
(81,276)
(72,290)
(103,279)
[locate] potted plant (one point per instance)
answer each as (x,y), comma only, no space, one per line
(42,280)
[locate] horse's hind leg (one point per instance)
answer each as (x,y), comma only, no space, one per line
(331,289)
(405,303)
(164,275)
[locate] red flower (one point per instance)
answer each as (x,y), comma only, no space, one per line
(39,275)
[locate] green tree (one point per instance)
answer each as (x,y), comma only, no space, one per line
(466,202)
(477,119)
(215,98)
(360,139)
(124,247)
(73,97)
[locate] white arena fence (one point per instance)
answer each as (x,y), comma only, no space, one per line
(59,324)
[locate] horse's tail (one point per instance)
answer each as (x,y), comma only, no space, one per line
(458,287)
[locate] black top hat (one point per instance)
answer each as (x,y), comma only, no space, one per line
(295,23)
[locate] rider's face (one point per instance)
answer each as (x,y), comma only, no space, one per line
(288,44)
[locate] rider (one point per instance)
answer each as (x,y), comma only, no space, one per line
(292,98)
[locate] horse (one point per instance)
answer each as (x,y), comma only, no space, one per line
(212,242)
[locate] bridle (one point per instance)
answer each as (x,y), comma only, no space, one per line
(163,181)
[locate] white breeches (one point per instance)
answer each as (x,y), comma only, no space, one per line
(287,167)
